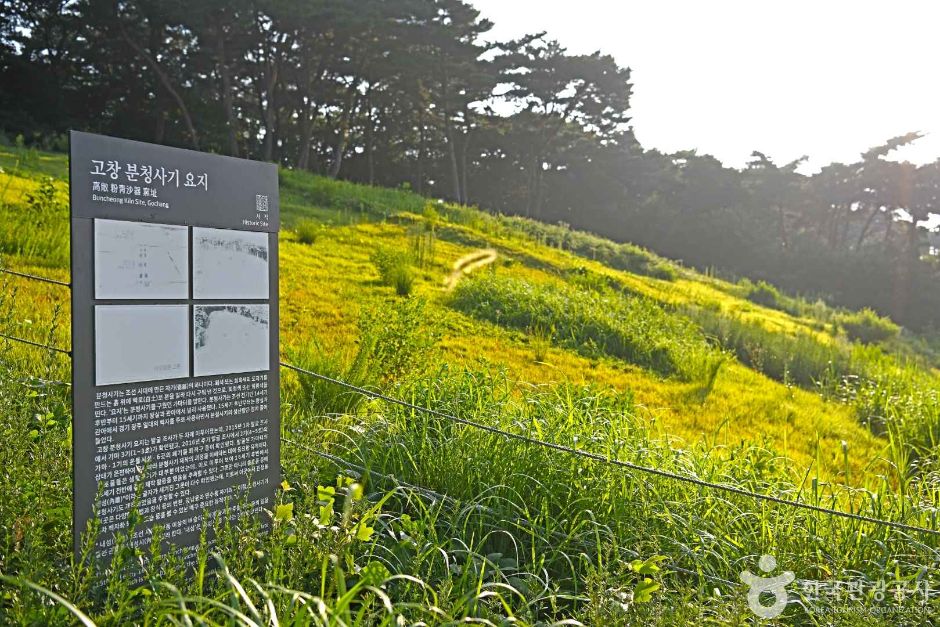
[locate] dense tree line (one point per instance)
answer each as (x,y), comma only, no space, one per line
(413,93)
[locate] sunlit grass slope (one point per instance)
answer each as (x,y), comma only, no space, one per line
(566,337)
(324,285)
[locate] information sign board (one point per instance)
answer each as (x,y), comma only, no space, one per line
(174,337)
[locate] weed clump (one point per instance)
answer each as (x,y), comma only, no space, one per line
(394,270)
(868,327)
(764,294)
(395,343)
(541,336)
(307,231)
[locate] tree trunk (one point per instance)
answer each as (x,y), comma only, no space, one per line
(159,131)
(306,137)
(279,124)
(832,225)
(451,147)
(370,139)
(539,189)
(268,99)
(784,234)
(419,183)
(227,100)
(903,284)
(267,146)
(889,229)
(306,132)
(463,169)
(452,152)
(868,223)
(345,120)
(164,80)
(532,188)
(846,224)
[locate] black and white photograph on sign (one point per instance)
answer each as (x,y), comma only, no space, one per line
(136,260)
(229,339)
(230,264)
(141,343)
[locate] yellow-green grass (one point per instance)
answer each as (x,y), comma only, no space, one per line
(574,523)
(324,286)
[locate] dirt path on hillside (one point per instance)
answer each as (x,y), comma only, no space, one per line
(467,264)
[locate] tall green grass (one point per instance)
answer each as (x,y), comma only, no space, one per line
(868,327)
(34,225)
(592,322)
(517,534)
(564,504)
(800,358)
(621,256)
(618,255)
(767,295)
(395,269)
(306,196)
(891,394)
(526,535)
(395,341)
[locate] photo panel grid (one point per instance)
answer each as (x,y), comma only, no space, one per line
(135,343)
(230,264)
(230,339)
(138,260)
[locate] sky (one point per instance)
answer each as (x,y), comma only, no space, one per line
(826,79)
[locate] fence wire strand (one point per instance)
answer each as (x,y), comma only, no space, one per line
(36,344)
(443,498)
(508,435)
(617,462)
(34,277)
(549,445)
(362,470)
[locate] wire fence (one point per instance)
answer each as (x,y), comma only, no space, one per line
(34,277)
(47,347)
(617,462)
(568,450)
(443,498)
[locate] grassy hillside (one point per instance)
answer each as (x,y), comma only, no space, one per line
(537,329)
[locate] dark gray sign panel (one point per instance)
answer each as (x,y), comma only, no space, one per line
(174,337)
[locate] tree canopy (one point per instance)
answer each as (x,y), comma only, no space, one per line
(415,93)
